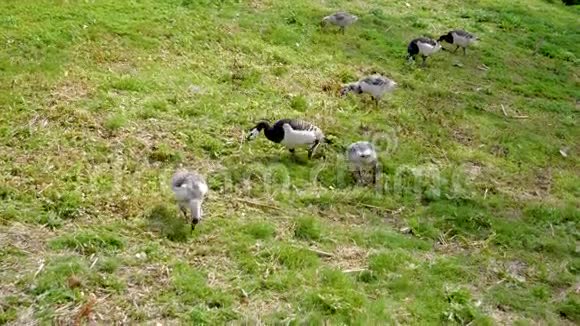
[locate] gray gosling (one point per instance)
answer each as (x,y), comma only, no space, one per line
(190,189)
(340,19)
(362,156)
(376,85)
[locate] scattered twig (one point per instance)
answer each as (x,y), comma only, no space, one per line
(166,270)
(564,152)
(44,188)
(354,270)
(259,204)
(503,110)
(241,141)
(485,193)
(94,262)
(40,268)
(392,211)
(406,230)
(513,116)
(60,309)
(369,206)
(321,253)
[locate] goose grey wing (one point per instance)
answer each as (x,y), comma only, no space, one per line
(462,33)
(294,123)
(301,125)
(426,40)
(341,16)
(375,80)
(306,126)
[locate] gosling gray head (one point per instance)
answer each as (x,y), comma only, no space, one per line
(340,19)
(361,157)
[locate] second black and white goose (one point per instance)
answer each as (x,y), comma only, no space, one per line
(376,85)
(291,133)
(460,38)
(424,47)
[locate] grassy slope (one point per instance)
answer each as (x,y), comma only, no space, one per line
(101,100)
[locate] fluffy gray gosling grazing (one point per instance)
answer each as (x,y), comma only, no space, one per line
(341,19)
(424,47)
(291,133)
(376,85)
(190,190)
(460,38)
(362,156)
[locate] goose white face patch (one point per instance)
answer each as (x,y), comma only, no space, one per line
(253,134)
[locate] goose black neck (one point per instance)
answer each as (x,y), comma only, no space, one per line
(273,133)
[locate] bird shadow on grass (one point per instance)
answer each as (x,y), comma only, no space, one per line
(286,159)
(168,224)
(299,158)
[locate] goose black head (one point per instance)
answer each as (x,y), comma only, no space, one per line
(254,132)
(324,21)
(354,87)
(447,38)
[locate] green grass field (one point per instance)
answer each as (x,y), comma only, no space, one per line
(475,221)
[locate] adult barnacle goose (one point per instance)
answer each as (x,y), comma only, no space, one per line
(362,156)
(291,133)
(190,189)
(341,19)
(424,47)
(460,38)
(375,85)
